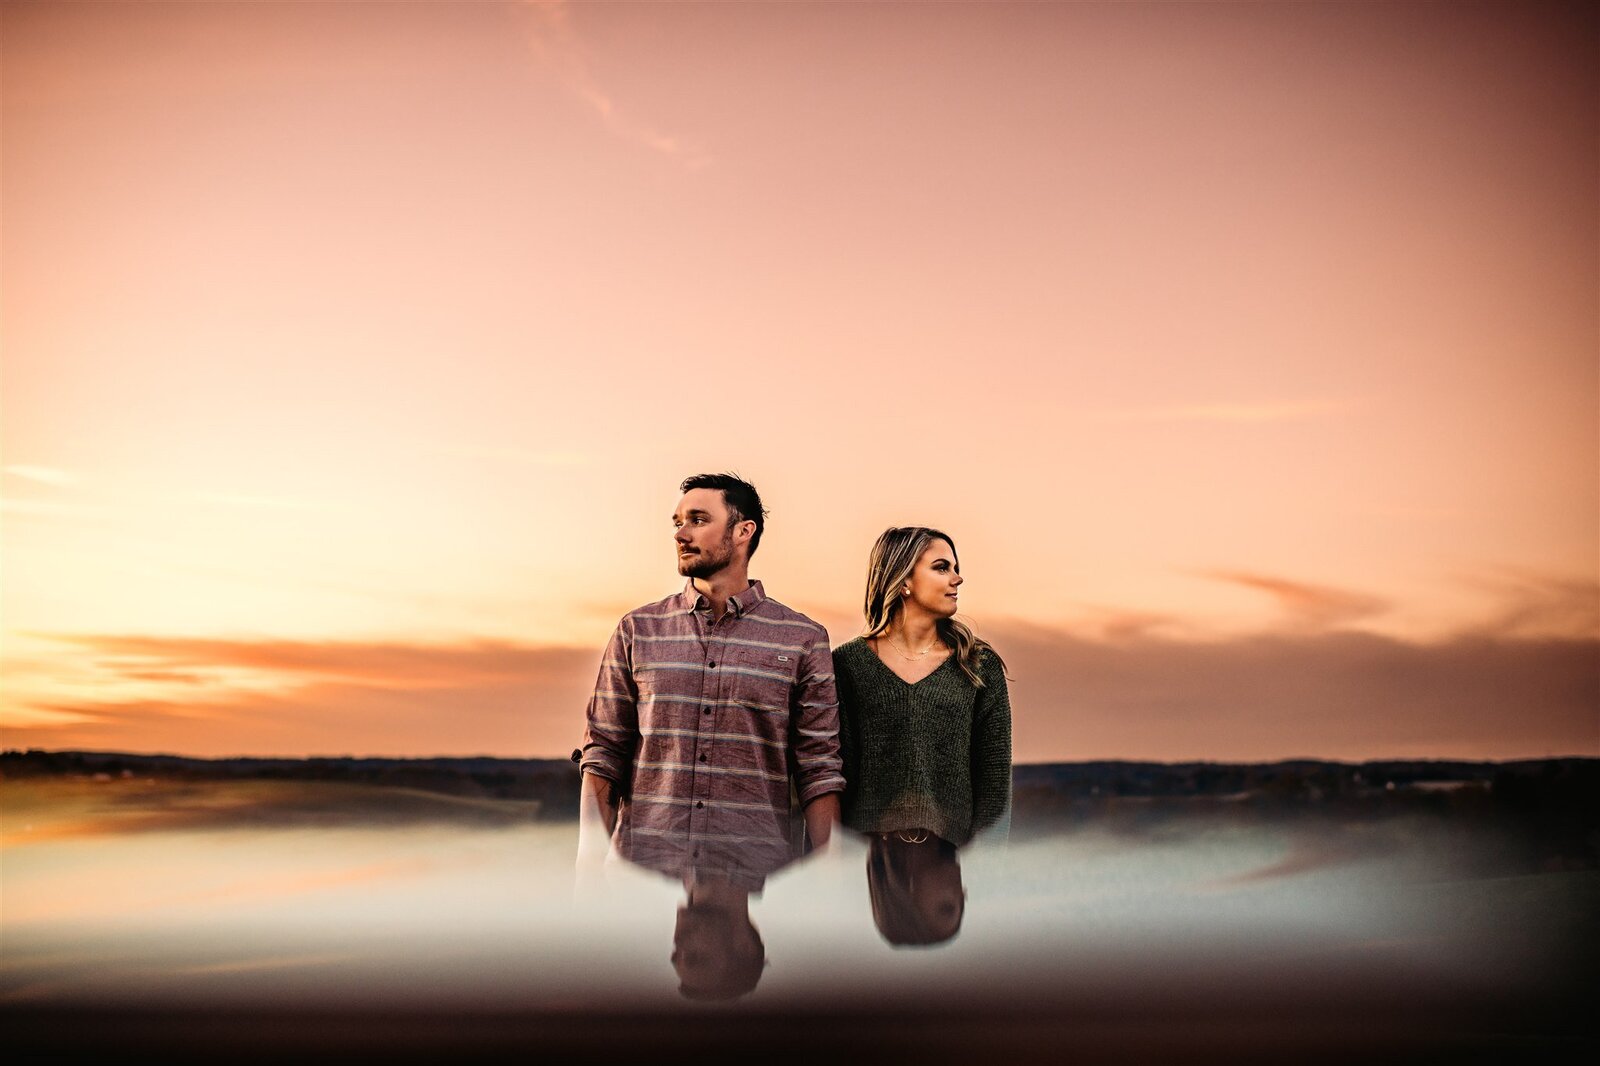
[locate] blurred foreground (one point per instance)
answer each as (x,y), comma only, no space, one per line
(252,919)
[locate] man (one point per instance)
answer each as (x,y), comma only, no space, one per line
(716,948)
(707,703)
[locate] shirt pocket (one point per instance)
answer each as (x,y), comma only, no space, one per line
(762,682)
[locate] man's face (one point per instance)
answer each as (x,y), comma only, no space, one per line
(717,951)
(702,533)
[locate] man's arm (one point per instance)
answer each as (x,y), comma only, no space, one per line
(597,814)
(611,729)
(610,737)
(822,814)
(814,741)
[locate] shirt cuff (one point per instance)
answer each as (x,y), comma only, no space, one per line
(820,786)
(602,763)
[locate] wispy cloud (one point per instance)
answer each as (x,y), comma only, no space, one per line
(556,44)
(44,475)
(336,697)
(275,503)
(1333,695)
(1120,624)
(370,663)
(553,457)
(1286,411)
(29,508)
(1343,695)
(1532,604)
(1307,606)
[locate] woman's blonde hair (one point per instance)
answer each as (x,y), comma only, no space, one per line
(893,558)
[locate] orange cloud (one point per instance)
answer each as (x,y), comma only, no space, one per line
(1343,695)
(1308,606)
(1323,695)
(484,697)
(380,664)
(1532,604)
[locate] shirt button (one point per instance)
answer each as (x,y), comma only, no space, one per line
(702,757)
(708,710)
(711,666)
(699,804)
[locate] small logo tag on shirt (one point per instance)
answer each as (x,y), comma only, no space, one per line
(783,658)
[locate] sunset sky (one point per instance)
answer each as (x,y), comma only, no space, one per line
(352,353)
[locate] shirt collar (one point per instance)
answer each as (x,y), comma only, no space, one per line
(741,603)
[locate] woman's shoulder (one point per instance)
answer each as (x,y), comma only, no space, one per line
(991,667)
(852,647)
(850,660)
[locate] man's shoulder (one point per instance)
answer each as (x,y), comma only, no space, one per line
(774,612)
(662,610)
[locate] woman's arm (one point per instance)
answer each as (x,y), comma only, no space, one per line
(991,746)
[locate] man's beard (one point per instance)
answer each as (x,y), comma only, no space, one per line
(706,564)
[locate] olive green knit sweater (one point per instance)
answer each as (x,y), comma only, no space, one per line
(935,755)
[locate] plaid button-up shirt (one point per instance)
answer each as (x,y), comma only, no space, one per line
(701,724)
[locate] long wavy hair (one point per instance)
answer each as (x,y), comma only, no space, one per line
(889,567)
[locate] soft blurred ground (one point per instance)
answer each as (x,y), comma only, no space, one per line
(264,918)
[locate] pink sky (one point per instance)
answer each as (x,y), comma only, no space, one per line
(352,353)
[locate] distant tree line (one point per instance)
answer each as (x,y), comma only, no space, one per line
(1545,812)
(551,782)
(1550,807)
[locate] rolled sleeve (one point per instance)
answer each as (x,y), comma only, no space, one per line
(611,730)
(814,725)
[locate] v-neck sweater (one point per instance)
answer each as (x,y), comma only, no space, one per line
(934,754)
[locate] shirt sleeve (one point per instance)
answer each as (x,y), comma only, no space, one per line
(814,724)
(611,731)
(991,746)
(849,743)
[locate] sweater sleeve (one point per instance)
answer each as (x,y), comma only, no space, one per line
(991,746)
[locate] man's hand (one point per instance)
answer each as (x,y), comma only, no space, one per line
(822,814)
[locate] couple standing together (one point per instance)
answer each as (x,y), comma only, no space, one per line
(718,710)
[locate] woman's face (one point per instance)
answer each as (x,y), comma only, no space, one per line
(934,579)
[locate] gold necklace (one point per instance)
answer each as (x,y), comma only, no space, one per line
(908,657)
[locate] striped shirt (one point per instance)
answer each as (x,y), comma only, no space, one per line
(700,725)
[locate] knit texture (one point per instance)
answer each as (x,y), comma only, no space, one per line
(935,755)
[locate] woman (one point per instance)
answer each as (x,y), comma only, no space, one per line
(925,731)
